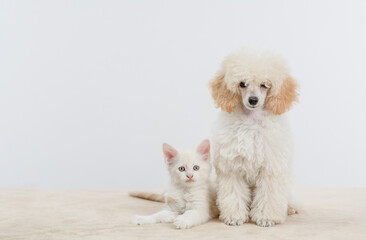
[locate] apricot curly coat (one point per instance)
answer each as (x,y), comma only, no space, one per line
(253,149)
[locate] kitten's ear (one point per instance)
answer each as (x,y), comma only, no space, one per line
(169,153)
(204,149)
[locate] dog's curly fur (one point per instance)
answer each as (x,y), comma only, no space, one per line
(252,146)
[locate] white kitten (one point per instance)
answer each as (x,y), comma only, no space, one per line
(191,198)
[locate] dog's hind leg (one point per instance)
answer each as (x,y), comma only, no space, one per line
(293,204)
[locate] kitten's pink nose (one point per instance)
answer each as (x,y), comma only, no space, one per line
(189,176)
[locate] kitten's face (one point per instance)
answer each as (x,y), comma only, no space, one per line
(188,167)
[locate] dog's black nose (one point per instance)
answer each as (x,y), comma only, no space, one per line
(253,100)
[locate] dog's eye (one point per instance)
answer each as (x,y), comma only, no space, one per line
(263,85)
(242,84)
(182,169)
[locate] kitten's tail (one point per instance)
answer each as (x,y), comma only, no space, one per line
(157,197)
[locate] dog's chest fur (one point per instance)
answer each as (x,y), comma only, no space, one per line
(243,142)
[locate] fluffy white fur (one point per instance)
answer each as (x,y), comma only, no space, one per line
(252,143)
(191,198)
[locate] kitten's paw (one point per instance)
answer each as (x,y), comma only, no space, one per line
(138,220)
(182,222)
(265,223)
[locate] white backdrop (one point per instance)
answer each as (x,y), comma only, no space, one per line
(89,90)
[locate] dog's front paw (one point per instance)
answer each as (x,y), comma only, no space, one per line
(265,217)
(265,223)
(182,222)
(233,221)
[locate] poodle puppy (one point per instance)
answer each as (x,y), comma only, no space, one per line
(252,143)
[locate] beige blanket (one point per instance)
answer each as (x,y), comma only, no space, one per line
(40,214)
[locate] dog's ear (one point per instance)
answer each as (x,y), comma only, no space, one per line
(223,97)
(282,101)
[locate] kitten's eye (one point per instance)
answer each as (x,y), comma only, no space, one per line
(196,167)
(182,169)
(242,84)
(263,85)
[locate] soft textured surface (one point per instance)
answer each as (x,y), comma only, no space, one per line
(40,214)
